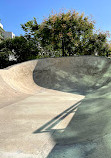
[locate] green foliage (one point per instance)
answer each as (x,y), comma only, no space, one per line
(19,47)
(95,44)
(61,34)
(4,55)
(67,33)
(23,49)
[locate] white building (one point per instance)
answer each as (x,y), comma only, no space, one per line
(5,34)
(1,25)
(1,33)
(8,35)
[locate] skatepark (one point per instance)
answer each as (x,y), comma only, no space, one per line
(55,108)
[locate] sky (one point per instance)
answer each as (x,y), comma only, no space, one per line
(16,12)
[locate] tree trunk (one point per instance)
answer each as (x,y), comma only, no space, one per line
(63,51)
(107,54)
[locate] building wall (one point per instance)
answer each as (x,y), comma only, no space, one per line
(1,25)
(5,34)
(8,35)
(1,32)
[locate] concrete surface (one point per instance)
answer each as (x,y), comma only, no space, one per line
(55,108)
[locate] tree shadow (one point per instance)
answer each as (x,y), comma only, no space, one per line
(85,135)
(73,74)
(88,133)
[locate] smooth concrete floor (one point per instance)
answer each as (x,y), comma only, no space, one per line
(26,127)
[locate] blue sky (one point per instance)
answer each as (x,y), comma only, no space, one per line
(16,12)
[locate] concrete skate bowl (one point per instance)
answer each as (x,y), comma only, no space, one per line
(80,75)
(88,134)
(90,128)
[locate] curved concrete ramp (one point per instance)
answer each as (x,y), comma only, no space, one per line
(56,107)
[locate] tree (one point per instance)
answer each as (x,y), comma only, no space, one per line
(60,32)
(4,58)
(95,44)
(19,48)
(23,49)
(4,53)
(67,33)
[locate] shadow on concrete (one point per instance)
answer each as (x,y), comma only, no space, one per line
(79,75)
(88,134)
(48,127)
